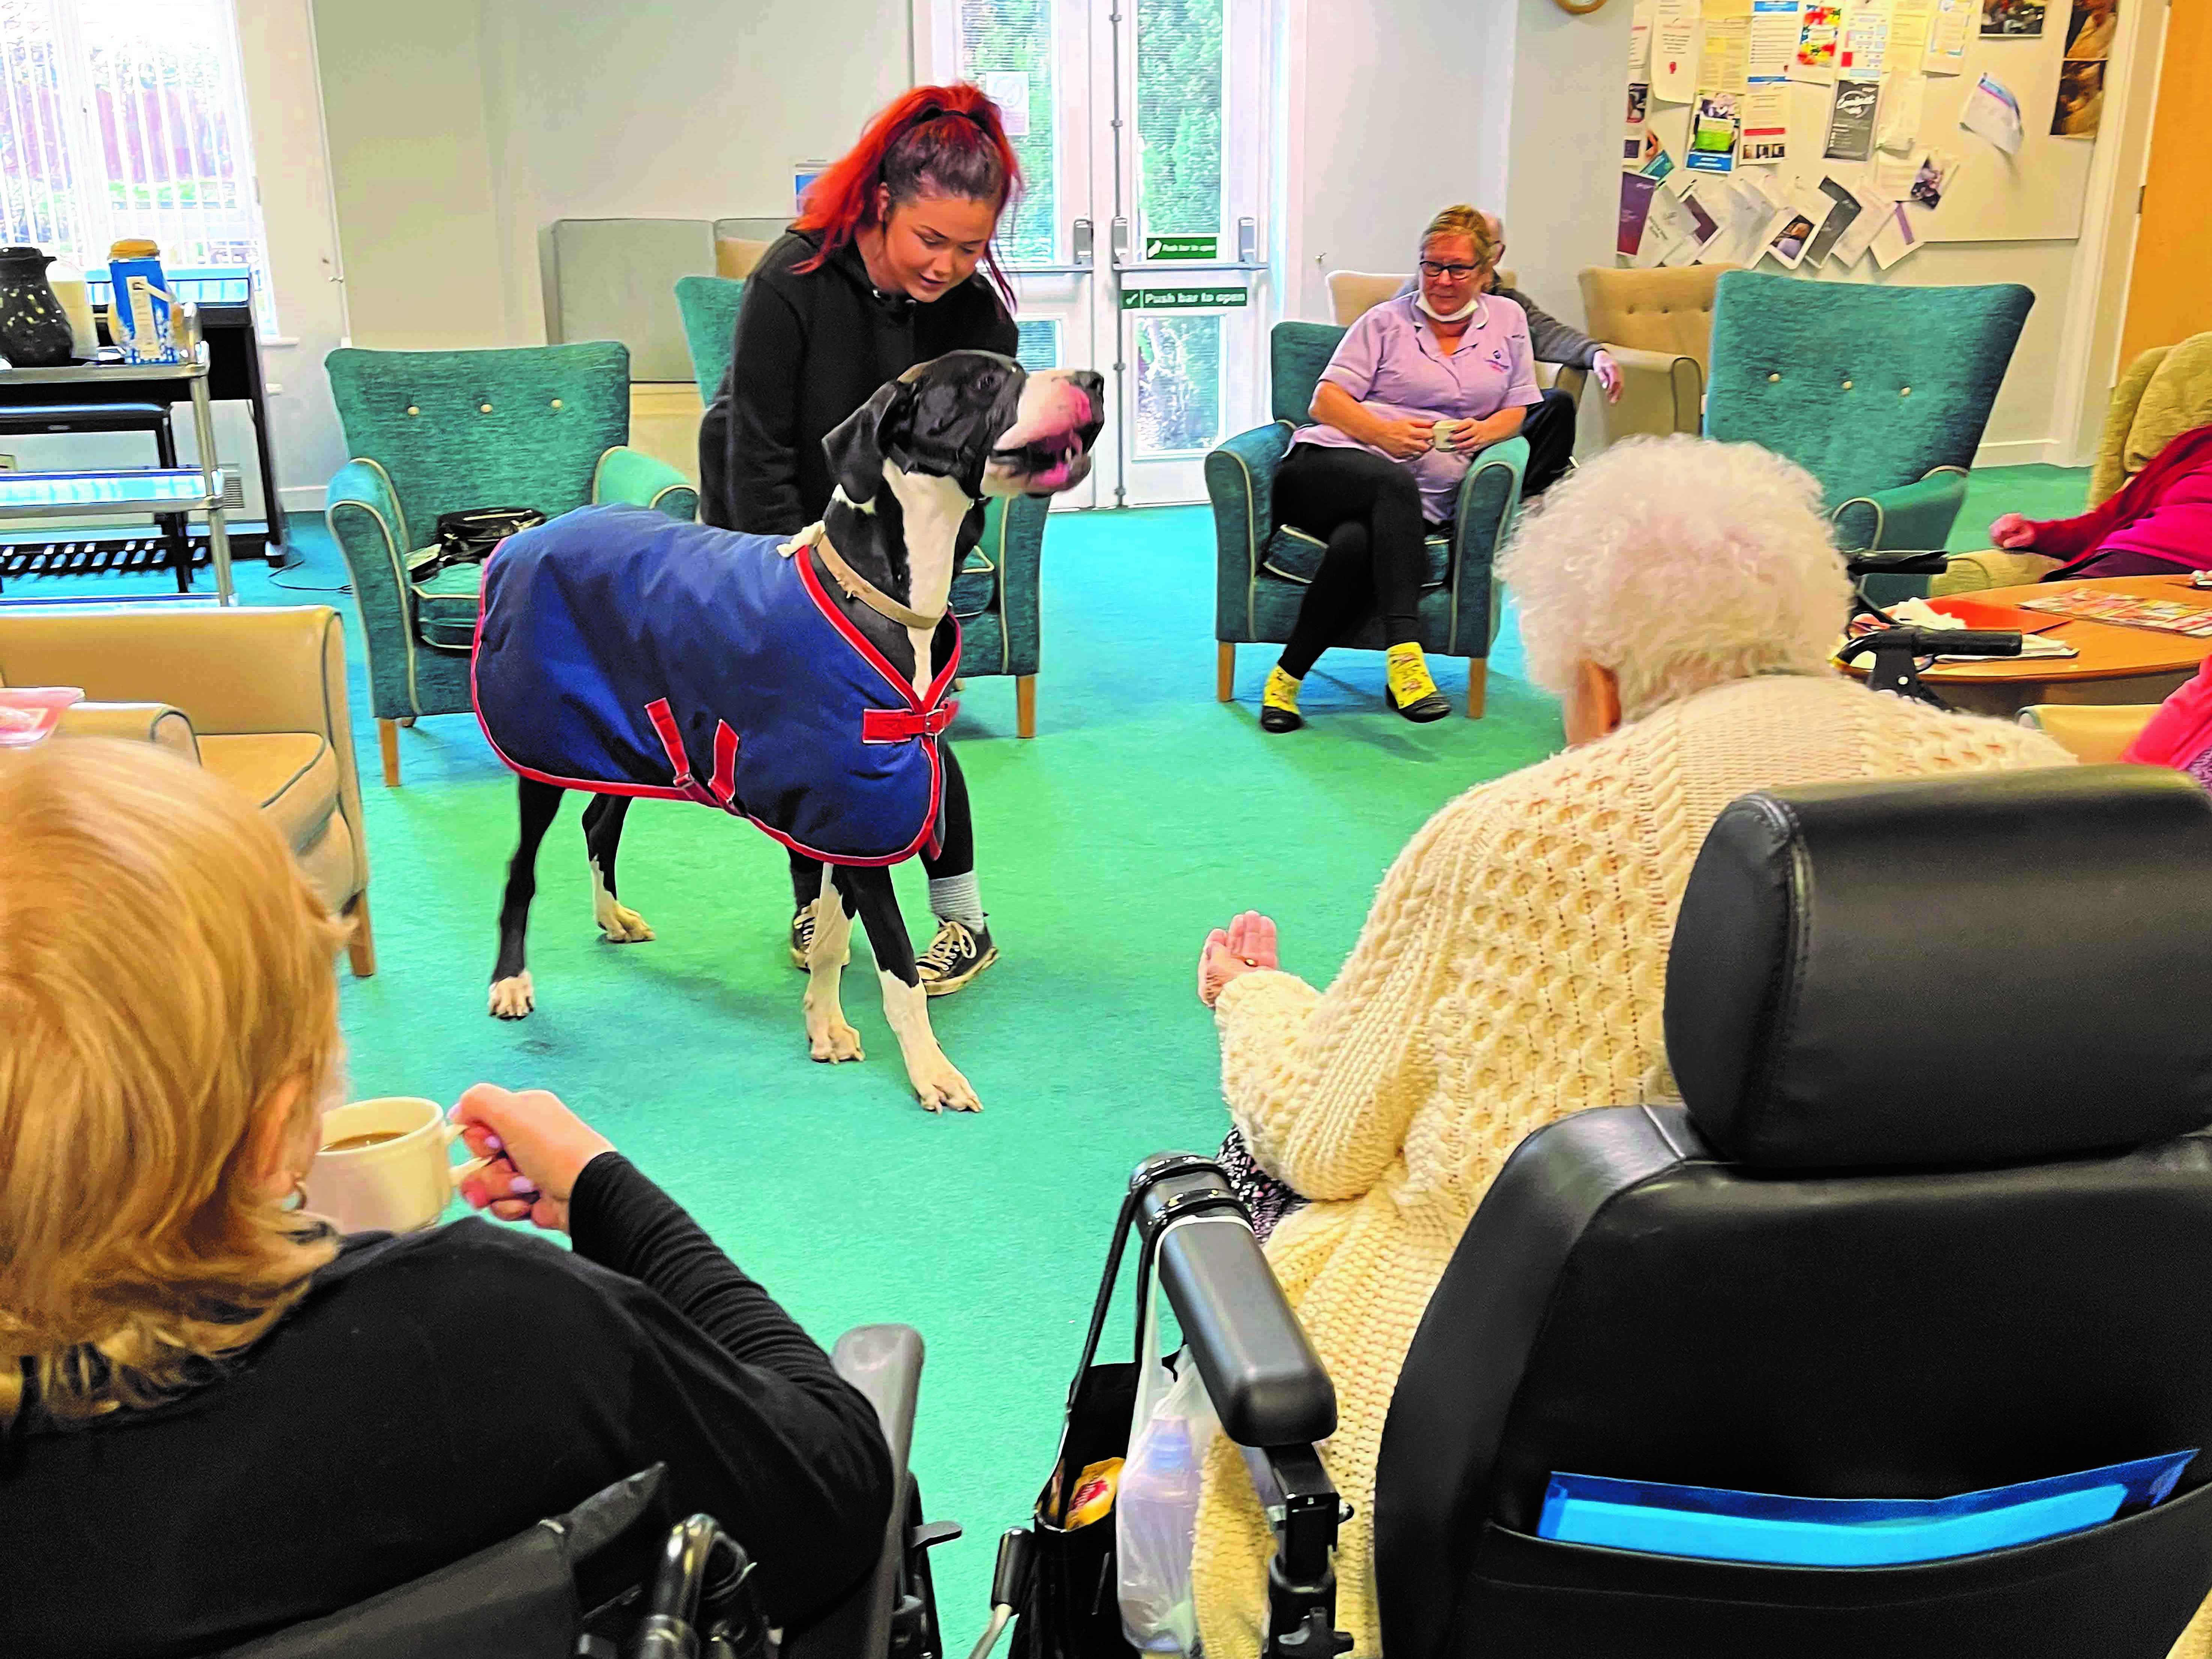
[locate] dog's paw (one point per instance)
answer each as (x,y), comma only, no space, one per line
(512,998)
(620,924)
(830,1039)
(940,1088)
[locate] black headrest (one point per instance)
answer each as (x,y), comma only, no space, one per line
(1969,970)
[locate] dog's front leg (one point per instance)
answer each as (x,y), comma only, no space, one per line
(827,1036)
(937,1083)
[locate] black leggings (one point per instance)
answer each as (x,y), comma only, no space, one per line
(1369,512)
(957,858)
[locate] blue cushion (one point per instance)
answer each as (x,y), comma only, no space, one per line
(1296,556)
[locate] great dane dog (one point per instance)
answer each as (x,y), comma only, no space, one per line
(799,683)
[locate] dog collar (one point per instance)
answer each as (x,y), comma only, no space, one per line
(856,585)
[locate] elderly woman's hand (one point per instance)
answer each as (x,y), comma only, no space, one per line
(1246,945)
(538,1148)
(1608,373)
(2012,530)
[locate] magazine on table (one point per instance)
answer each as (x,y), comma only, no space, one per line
(2125,611)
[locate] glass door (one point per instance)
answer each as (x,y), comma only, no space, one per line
(1146,133)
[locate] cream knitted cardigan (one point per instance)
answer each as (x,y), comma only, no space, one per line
(1510,973)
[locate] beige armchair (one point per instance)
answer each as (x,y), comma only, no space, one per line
(1658,325)
(2167,391)
(1353,293)
(257,696)
(2094,733)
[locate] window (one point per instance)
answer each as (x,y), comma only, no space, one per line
(127,117)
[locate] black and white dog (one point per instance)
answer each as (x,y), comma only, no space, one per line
(912,466)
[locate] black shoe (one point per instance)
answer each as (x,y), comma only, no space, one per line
(802,939)
(955,955)
(1279,720)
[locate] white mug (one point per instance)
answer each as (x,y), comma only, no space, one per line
(394,1186)
(1440,434)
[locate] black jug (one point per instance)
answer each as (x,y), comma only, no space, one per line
(34,329)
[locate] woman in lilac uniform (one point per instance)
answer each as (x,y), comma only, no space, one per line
(1371,477)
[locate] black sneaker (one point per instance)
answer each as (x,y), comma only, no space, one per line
(955,955)
(802,939)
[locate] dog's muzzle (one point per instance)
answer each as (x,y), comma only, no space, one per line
(1048,448)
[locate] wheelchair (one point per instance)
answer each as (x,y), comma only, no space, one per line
(1933,1216)
(520,1599)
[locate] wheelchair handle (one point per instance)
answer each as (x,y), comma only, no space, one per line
(670,1630)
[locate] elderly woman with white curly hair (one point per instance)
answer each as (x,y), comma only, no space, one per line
(1681,597)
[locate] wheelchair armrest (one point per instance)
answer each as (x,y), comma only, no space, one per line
(1268,1386)
(884,1362)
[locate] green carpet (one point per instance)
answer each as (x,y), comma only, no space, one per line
(1142,814)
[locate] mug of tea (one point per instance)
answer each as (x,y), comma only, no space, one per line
(1440,434)
(384,1166)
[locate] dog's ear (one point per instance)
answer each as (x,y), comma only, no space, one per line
(857,446)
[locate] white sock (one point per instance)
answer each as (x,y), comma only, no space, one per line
(956,898)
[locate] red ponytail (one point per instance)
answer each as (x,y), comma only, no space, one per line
(947,141)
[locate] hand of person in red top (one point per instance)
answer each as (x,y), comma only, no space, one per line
(2012,529)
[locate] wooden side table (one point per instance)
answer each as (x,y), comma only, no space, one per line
(2112,664)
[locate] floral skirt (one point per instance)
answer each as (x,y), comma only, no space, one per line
(1267,1199)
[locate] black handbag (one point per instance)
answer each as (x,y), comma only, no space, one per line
(1071,1608)
(469,537)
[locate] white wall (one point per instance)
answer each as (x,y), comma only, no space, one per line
(1399,107)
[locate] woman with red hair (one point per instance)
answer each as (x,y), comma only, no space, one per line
(877,274)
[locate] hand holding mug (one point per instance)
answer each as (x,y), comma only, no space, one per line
(1403,440)
(1444,433)
(2012,529)
(536,1146)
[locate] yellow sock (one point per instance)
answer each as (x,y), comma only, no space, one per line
(1407,672)
(1282,692)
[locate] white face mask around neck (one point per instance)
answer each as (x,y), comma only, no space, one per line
(1461,315)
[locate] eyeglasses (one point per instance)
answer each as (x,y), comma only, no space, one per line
(1455,273)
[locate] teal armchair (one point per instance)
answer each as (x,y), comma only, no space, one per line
(994,594)
(433,431)
(1263,569)
(1881,394)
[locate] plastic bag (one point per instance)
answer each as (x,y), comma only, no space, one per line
(1155,1513)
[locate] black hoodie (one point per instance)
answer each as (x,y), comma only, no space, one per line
(811,348)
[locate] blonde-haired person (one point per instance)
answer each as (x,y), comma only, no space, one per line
(1681,598)
(1373,474)
(217,1417)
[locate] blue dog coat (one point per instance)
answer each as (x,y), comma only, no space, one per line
(622,653)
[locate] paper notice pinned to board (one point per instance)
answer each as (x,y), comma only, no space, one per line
(1948,31)
(1904,94)
(1820,34)
(1895,237)
(1766,126)
(1639,39)
(1865,52)
(1850,120)
(1675,49)
(1992,112)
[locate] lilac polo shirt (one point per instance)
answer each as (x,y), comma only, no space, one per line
(1390,362)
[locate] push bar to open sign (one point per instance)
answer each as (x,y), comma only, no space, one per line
(1228,298)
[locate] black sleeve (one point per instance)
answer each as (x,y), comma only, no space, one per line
(1001,336)
(742,1403)
(757,432)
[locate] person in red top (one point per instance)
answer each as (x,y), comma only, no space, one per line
(2158,524)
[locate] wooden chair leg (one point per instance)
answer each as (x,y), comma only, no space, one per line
(387,742)
(1477,686)
(1225,671)
(361,949)
(1025,705)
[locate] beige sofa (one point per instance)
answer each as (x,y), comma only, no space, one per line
(257,696)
